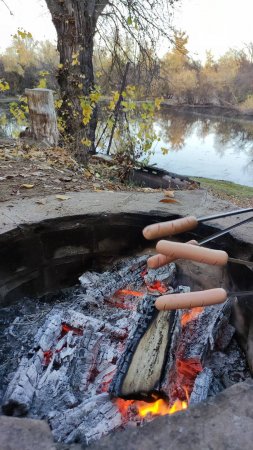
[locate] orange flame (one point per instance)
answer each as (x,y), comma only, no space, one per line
(157,408)
(191,315)
(160,408)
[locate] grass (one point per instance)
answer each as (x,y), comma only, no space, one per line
(237,193)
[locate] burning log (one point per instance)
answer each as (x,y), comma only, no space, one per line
(109,329)
(100,287)
(140,368)
(192,343)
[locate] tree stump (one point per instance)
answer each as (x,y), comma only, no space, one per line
(42,115)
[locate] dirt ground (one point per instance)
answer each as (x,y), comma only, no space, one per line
(29,171)
(26,171)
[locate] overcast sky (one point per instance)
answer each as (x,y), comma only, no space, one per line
(215,25)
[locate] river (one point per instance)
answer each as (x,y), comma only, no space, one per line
(205,146)
(200,145)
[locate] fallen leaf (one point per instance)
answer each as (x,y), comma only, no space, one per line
(147,189)
(27,186)
(169,200)
(62,197)
(170,194)
(87,174)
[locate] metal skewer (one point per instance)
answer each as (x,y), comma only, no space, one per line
(225,231)
(226,214)
(177,226)
(163,257)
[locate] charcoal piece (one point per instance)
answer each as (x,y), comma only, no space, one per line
(141,366)
(20,392)
(92,419)
(224,336)
(201,386)
(165,273)
(108,283)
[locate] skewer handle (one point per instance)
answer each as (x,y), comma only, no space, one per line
(170,228)
(191,299)
(177,250)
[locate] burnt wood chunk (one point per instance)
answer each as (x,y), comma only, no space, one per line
(141,366)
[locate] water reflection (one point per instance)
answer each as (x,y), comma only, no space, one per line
(175,128)
(212,147)
(220,148)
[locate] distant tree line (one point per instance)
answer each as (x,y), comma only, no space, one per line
(227,81)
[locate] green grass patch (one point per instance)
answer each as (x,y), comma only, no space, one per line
(226,187)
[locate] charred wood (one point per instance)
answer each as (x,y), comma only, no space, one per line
(140,368)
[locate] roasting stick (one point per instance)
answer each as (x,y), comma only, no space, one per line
(171,251)
(172,227)
(194,299)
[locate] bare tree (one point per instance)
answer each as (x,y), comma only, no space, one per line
(76,23)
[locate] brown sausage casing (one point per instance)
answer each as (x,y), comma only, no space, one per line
(170,228)
(177,250)
(191,299)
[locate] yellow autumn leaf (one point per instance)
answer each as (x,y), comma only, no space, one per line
(95,96)
(42,83)
(158,102)
(86,142)
(111,105)
(87,113)
(27,186)
(62,197)
(116,96)
(4,86)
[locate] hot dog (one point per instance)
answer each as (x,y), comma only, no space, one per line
(160,260)
(191,299)
(172,227)
(177,250)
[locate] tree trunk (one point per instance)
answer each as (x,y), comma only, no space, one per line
(75,23)
(42,115)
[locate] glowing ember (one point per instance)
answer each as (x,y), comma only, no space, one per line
(157,286)
(47,357)
(67,328)
(143,409)
(128,292)
(191,315)
(124,405)
(189,367)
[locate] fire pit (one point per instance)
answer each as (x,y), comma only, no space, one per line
(95,357)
